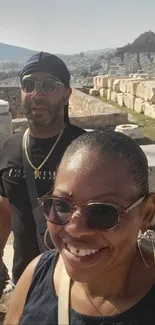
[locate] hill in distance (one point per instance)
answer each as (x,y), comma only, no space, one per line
(17,53)
(14,53)
(144,43)
(91,52)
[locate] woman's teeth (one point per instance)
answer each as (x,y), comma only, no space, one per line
(81,252)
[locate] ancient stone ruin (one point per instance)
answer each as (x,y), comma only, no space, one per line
(136,92)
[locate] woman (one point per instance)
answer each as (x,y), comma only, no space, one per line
(100,204)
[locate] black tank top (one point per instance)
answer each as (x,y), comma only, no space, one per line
(41,305)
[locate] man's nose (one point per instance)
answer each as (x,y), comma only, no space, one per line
(37,92)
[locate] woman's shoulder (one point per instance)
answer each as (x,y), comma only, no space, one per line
(34,275)
(43,262)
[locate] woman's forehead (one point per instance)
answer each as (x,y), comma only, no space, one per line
(88,161)
(87,172)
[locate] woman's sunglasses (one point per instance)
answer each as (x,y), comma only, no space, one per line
(98,215)
(48,86)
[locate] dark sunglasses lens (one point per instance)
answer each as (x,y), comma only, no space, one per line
(101,216)
(57,211)
(49,85)
(28,85)
(46,206)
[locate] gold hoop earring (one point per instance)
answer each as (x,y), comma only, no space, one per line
(45,239)
(147,237)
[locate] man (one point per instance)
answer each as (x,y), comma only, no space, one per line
(45,92)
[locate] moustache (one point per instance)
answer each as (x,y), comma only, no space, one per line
(41,102)
(38,102)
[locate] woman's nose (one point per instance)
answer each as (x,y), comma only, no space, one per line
(77,226)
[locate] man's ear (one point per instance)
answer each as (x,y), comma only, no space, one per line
(148,212)
(67,95)
(69,92)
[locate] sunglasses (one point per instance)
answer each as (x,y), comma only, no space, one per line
(98,215)
(48,86)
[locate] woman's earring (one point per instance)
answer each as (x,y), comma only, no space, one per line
(146,238)
(45,240)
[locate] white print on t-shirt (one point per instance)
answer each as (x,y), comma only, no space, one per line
(18,173)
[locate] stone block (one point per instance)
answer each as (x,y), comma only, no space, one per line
(109,94)
(103,92)
(110,82)
(114,96)
(12,94)
(104,81)
(116,85)
(132,87)
(95,82)
(140,75)
(99,121)
(81,105)
(120,99)
(139,105)
(141,89)
(94,92)
(149,109)
(123,85)
(150,92)
(98,82)
(6,128)
(129,101)
(4,106)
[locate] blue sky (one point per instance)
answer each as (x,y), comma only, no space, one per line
(70,26)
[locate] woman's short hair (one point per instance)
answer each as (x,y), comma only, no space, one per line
(120,147)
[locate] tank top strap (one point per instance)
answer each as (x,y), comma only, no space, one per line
(42,279)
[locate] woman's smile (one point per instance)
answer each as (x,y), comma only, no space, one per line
(81,257)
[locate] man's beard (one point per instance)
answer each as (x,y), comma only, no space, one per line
(53,113)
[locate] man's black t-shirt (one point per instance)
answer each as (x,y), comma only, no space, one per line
(13,186)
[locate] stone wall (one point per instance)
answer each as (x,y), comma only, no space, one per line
(13,96)
(93,112)
(136,92)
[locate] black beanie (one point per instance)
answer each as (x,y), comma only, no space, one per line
(47,63)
